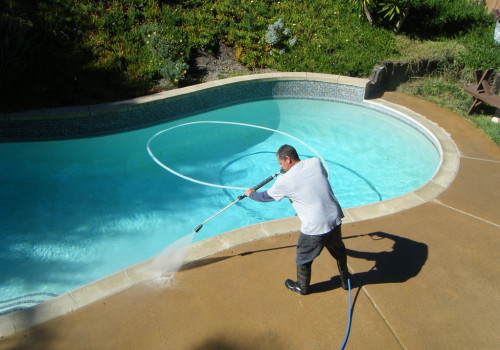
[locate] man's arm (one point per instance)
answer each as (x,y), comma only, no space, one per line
(259,196)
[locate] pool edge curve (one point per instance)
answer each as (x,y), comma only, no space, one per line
(66,303)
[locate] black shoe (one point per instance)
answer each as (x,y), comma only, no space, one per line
(303,280)
(295,287)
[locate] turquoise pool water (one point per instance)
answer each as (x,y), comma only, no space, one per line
(77,210)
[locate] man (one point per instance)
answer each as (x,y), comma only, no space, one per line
(306,184)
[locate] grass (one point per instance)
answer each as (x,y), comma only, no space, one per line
(413,49)
(484,123)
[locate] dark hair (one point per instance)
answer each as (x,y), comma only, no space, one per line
(287,151)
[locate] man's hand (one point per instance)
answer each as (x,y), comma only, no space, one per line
(248,191)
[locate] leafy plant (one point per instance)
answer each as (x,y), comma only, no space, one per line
(278,37)
(393,8)
(391,13)
(396,11)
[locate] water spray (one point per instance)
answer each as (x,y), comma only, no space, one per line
(255,188)
(170,260)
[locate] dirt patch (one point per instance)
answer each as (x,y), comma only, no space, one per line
(207,66)
(217,65)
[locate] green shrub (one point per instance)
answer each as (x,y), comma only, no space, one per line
(18,43)
(482,50)
(445,18)
(208,38)
(168,48)
(242,24)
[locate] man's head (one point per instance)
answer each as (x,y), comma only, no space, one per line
(287,157)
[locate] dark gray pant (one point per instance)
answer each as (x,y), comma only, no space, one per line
(309,247)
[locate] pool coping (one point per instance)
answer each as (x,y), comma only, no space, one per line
(66,303)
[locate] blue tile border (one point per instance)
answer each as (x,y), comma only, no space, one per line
(121,116)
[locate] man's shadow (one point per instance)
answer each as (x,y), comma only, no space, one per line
(399,265)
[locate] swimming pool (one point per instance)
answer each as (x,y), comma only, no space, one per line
(77,210)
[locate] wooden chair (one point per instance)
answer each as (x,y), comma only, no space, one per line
(481,92)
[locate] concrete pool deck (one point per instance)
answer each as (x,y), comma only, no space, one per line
(424,278)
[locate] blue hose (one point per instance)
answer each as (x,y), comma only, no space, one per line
(350,314)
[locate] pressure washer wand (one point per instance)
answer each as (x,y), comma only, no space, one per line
(255,188)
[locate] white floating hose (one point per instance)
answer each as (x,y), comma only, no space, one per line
(221,122)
